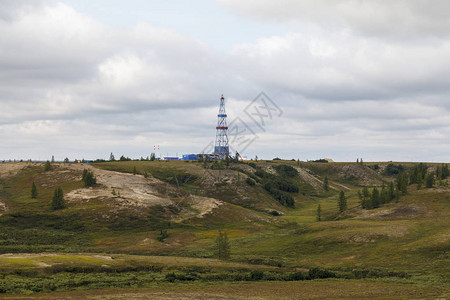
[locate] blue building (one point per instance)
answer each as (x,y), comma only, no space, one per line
(171,158)
(190,156)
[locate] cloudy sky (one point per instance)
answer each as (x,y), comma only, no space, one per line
(341,79)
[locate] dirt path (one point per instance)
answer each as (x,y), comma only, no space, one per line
(315,182)
(334,184)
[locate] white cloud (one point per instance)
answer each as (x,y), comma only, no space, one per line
(375,83)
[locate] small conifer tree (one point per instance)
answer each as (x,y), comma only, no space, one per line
(58,199)
(222,246)
(374,199)
(319,213)
(342,202)
(429,180)
(89,178)
(325,184)
(34,192)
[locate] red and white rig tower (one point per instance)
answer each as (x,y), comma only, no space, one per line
(221,148)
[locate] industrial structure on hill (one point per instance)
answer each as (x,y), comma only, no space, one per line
(221,147)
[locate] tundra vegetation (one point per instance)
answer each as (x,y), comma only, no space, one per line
(267,229)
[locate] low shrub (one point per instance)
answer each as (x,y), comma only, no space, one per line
(250,181)
(318,273)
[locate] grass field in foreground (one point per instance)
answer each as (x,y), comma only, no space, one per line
(318,289)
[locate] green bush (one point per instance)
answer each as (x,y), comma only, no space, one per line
(260,173)
(48,166)
(318,273)
(296,276)
(392,169)
(256,275)
(250,181)
(253,165)
(89,178)
(162,235)
(286,170)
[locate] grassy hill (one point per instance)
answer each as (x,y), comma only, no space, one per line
(109,234)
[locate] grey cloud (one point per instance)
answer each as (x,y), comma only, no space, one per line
(401,18)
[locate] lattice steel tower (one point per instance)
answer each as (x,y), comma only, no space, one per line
(221,149)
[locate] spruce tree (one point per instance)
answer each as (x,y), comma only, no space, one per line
(391,191)
(445,172)
(85,172)
(222,246)
(415,175)
(319,213)
(342,202)
(34,192)
(58,199)
(383,195)
(402,182)
(48,166)
(89,178)
(419,182)
(375,199)
(365,198)
(325,183)
(111,157)
(439,172)
(429,180)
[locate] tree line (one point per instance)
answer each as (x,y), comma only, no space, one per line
(419,175)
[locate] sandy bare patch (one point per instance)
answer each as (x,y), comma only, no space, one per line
(3,207)
(375,233)
(42,264)
(11,169)
(104,257)
(205,205)
(136,190)
(363,175)
(133,189)
(26,255)
(404,211)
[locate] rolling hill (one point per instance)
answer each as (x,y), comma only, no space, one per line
(151,226)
